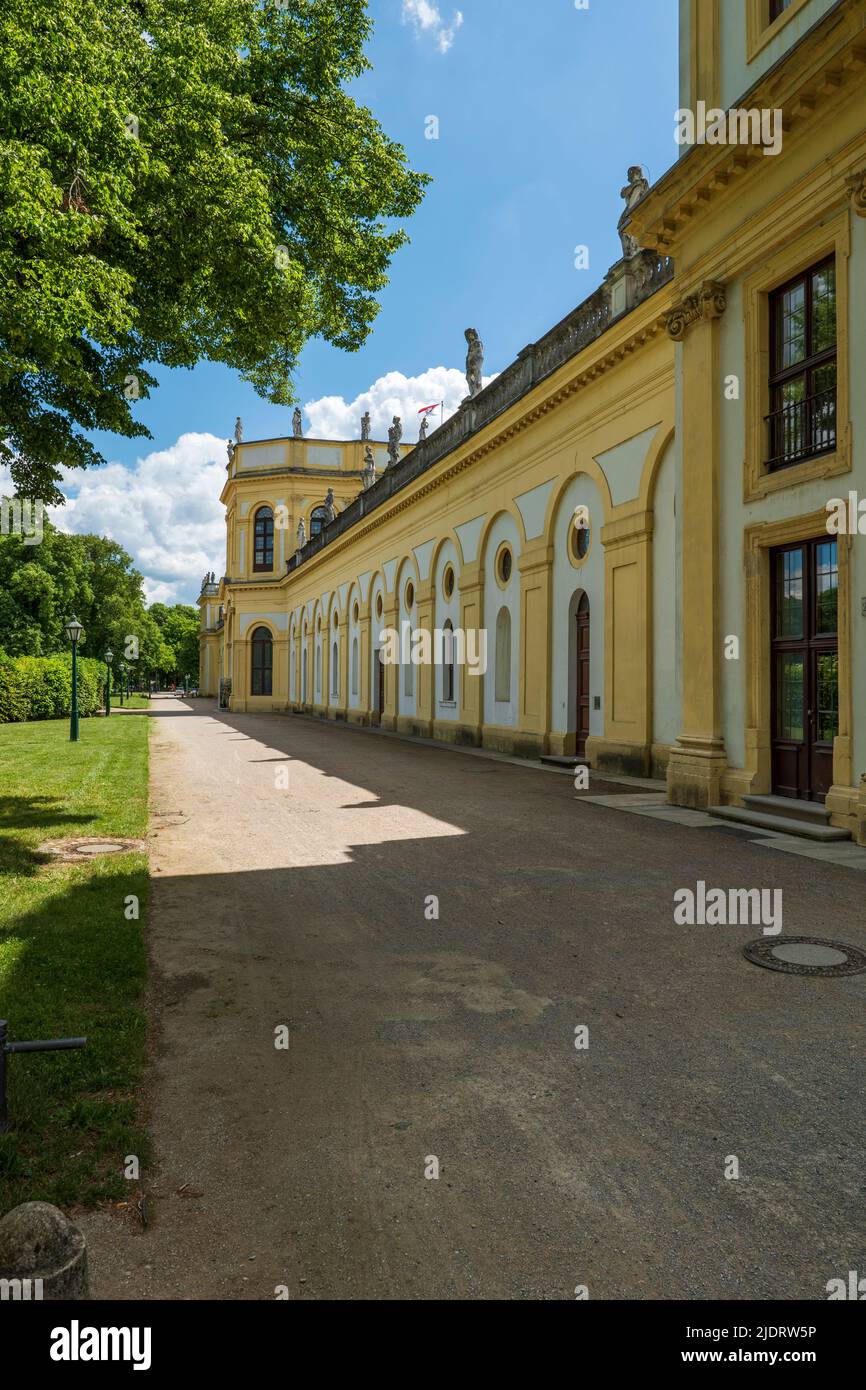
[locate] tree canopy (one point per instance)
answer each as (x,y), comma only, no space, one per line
(179,180)
(41,586)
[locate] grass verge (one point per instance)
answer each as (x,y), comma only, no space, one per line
(71,962)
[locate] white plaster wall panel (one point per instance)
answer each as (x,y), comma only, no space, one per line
(448,609)
(469,534)
(502,712)
(279,621)
(737,74)
(665,571)
(407,699)
(567,582)
(262,456)
(423,555)
(376,626)
(623,465)
(324,456)
(533,508)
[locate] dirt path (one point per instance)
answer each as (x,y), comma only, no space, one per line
(292,862)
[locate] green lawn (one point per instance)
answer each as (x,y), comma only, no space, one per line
(71,963)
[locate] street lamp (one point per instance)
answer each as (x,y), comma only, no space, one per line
(109,657)
(74,630)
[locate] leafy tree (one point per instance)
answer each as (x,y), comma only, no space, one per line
(179,180)
(180,631)
(93,577)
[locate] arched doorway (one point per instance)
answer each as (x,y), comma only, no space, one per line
(262,662)
(581,648)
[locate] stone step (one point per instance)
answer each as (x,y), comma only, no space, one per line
(789,806)
(786,825)
(551,761)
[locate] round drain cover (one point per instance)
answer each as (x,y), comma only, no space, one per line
(805,955)
(99,849)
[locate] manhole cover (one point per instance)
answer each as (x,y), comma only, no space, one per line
(85,847)
(805,955)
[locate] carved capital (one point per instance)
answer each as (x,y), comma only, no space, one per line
(709,302)
(856,186)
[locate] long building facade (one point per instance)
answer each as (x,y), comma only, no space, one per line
(635,532)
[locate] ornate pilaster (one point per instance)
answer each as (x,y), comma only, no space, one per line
(707,303)
(856,188)
(698,762)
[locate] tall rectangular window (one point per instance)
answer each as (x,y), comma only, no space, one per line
(802,419)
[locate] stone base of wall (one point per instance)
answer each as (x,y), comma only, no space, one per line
(562,745)
(627,759)
(517,743)
(416,728)
(695,772)
(660,756)
(450,731)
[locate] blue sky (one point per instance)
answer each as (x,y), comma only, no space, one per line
(541,107)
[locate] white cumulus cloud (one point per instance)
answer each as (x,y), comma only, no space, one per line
(164,510)
(428,21)
(333,417)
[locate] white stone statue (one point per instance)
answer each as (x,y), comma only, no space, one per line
(369,467)
(302,534)
(365,425)
(474,361)
(239,431)
(297,424)
(395,434)
(422,433)
(634,190)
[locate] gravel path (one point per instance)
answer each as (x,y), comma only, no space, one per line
(293,861)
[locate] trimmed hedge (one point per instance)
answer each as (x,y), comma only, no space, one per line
(40,687)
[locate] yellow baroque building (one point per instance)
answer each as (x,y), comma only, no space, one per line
(636,514)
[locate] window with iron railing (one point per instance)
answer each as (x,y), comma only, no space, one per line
(802,419)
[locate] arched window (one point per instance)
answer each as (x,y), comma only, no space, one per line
(319,669)
(448,663)
(263,550)
(503,656)
(318,518)
(335,670)
(263,662)
(354,665)
(304,675)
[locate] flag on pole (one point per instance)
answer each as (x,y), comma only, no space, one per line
(426,409)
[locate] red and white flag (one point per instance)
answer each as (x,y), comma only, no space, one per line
(426,409)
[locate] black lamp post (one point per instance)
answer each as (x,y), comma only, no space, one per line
(109,657)
(74,630)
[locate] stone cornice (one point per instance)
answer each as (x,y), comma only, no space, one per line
(802,85)
(626,345)
(708,302)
